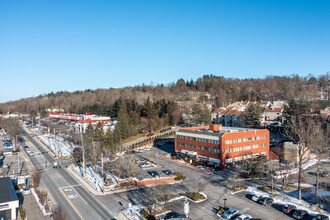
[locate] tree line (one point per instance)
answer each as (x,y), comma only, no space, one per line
(224,90)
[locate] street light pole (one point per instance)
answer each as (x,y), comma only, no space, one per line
(224,202)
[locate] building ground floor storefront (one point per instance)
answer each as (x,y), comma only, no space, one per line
(192,156)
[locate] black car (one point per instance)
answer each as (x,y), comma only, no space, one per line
(154,173)
(289,209)
(168,172)
(265,201)
(164,130)
(324,174)
(299,214)
(321,217)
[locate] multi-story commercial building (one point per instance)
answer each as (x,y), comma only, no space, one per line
(221,146)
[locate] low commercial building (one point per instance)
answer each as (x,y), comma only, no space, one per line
(8,200)
(221,146)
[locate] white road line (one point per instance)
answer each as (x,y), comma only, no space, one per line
(70,186)
(79,195)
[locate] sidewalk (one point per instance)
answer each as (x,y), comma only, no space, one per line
(184,164)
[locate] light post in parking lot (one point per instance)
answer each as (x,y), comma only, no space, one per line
(224,202)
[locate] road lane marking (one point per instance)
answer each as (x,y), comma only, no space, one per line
(71,204)
(69,186)
(79,195)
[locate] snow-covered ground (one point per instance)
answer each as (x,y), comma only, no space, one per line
(60,146)
(288,198)
(95,178)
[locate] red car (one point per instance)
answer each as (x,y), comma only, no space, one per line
(151,134)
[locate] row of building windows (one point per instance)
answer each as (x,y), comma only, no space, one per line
(214,150)
(235,141)
(202,148)
(236,149)
(198,139)
(230,160)
(190,146)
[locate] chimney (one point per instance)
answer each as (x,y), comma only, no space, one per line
(215,127)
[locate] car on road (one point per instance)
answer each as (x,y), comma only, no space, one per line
(320,217)
(26,147)
(289,209)
(154,173)
(26,190)
(227,214)
(168,172)
(243,217)
(151,134)
(31,153)
(265,201)
(28,151)
(299,214)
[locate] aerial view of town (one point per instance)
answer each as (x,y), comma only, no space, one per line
(164,110)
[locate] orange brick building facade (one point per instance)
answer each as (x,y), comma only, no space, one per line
(221,146)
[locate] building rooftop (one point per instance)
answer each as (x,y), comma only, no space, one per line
(7,190)
(217,133)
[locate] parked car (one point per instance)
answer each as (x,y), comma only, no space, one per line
(289,209)
(28,151)
(255,198)
(31,153)
(14,152)
(168,172)
(151,134)
(320,217)
(227,214)
(162,131)
(139,160)
(244,217)
(299,214)
(26,147)
(265,201)
(324,174)
(154,173)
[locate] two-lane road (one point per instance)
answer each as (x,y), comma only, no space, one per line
(65,191)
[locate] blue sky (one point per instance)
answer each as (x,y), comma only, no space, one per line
(71,45)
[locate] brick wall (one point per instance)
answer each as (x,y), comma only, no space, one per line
(147,182)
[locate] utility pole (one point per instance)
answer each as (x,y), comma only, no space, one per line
(17,164)
(83,148)
(102,166)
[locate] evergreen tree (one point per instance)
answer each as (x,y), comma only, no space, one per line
(201,114)
(253,115)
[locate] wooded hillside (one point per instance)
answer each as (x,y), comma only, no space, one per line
(225,90)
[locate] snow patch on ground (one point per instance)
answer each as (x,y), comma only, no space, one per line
(287,199)
(60,146)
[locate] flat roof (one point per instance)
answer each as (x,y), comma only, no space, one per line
(219,133)
(7,190)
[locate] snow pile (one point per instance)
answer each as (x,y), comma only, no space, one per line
(59,146)
(95,178)
(133,212)
(286,173)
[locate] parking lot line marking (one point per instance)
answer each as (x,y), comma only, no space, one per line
(71,204)
(79,195)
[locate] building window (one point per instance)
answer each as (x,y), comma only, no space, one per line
(256,138)
(191,138)
(264,145)
(229,160)
(214,141)
(247,147)
(190,146)
(247,139)
(202,140)
(214,150)
(202,148)
(180,136)
(263,137)
(256,146)
(238,149)
(180,144)
(237,141)
(229,141)
(229,150)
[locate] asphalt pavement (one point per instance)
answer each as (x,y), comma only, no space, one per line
(65,192)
